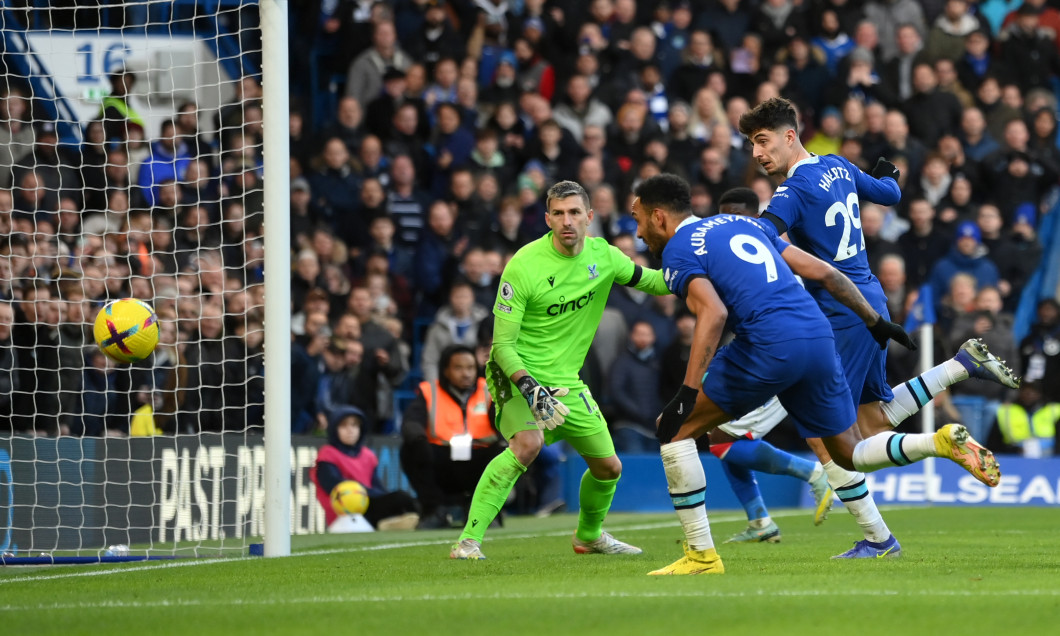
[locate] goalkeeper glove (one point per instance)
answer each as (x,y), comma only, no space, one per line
(884,330)
(548,411)
(885,168)
(675,413)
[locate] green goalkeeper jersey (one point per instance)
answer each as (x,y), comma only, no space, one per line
(557,301)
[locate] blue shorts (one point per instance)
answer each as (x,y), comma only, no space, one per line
(805,374)
(864,365)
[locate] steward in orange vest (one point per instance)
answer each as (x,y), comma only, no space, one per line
(448,437)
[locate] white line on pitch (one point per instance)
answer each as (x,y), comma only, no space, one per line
(714,518)
(478,597)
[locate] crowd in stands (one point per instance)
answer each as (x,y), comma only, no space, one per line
(450,119)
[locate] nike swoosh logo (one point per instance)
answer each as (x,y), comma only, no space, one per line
(880,555)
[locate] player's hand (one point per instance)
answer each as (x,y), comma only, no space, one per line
(884,168)
(675,413)
(548,411)
(884,330)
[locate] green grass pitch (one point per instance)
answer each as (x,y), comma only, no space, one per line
(963,571)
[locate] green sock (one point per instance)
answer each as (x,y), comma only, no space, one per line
(491,493)
(594,500)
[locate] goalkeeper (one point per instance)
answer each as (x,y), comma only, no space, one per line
(552,294)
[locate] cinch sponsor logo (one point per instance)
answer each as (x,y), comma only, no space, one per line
(571,305)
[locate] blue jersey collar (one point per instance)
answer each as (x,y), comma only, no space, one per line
(689,220)
(811,159)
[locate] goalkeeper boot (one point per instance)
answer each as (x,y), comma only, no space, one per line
(468,550)
(980,363)
(693,562)
(866,549)
(605,544)
(953,442)
(768,534)
(822,497)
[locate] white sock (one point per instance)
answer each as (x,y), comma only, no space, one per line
(688,484)
(911,396)
(816,474)
(892,449)
(852,490)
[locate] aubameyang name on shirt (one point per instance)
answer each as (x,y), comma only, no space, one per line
(833,175)
(699,237)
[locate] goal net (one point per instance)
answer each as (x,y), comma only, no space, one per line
(131,165)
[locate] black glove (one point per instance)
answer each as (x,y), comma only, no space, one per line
(885,168)
(675,413)
(885,330)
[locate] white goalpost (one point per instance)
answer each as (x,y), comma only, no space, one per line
(143,153)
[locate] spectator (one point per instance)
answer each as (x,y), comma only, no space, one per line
(406,203)
(9,373)
(930,111)
(947,37)
(698,60)
(436,39)
(977,61)
(976,140)
(203,407)
(370,163)
(875,244)
(1015,176)
(118,115)
(967,256)
(890,16)
(580,109)
(349,125)
(473,266)
(437,256)
(104,406)
(1029,54)
(1028,425)
(365,78)
(16,133)
(827,139)
(977,402)
(891,272)
(996,112)
(728,19)
(946,72)
(633,392)
(346,457)
(36,332)
(384,350)
(777,22)
(455,323)
(448,437)
(168,160)
(901,142)
(1015,252)
(334,185)
(1040,349)
(452,145)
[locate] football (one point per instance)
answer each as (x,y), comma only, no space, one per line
(126,330)
(349,498)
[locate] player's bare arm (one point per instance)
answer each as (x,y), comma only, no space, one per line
(703,301)
(842,289)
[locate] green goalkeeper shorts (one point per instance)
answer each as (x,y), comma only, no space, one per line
(584,428)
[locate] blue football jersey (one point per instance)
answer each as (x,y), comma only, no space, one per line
(741,257)
(819,204)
